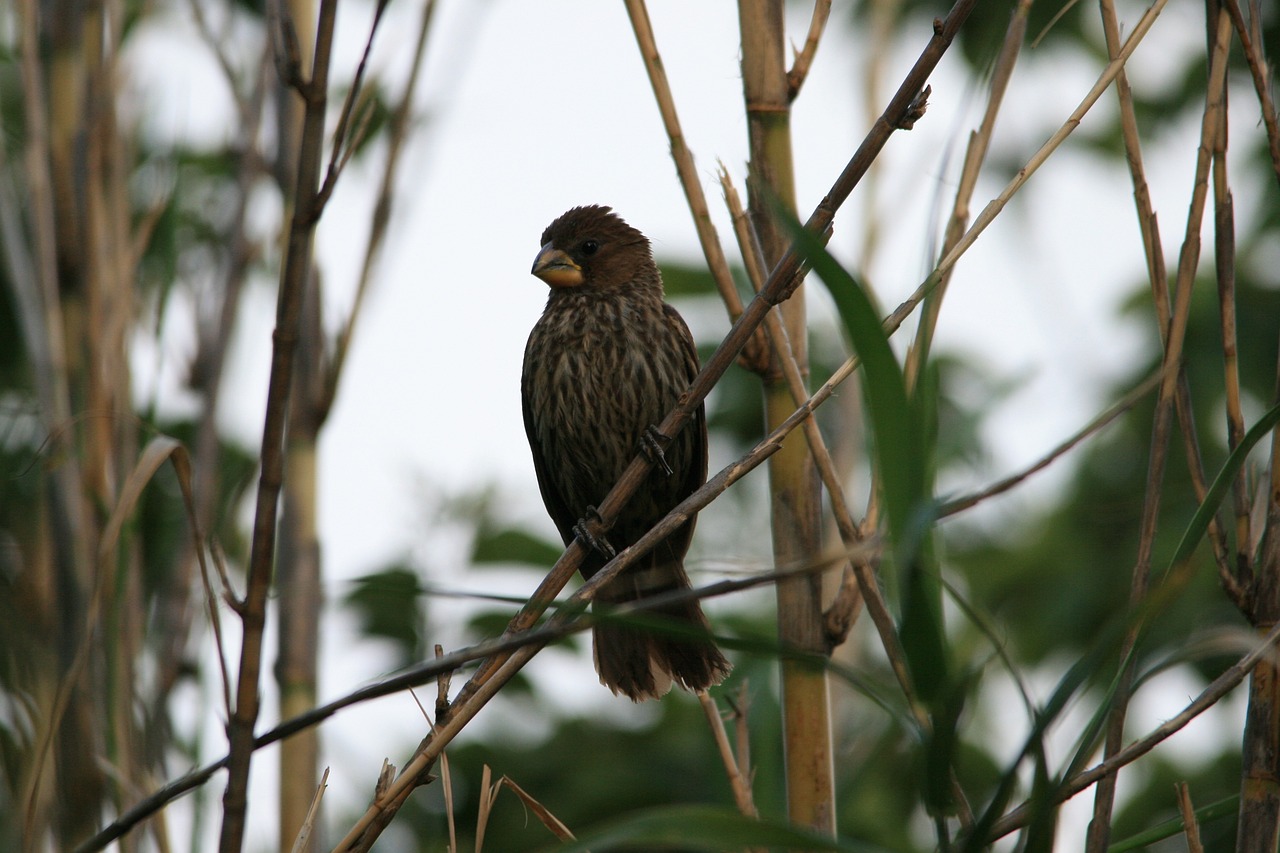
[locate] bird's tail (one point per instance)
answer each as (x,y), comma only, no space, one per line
(642,663)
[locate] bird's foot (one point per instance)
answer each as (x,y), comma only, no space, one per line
(599,544)
(652,443)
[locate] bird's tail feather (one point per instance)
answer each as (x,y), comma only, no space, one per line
(642,663)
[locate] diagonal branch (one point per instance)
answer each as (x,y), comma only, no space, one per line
(958,505)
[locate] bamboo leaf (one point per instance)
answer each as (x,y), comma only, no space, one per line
(512,545)
(899,432)
(1171,828)
(703,828)
(1213,498)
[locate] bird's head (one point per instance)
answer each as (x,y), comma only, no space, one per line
(592,248)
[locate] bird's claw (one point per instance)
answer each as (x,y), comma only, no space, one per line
(599,544)
(651,444)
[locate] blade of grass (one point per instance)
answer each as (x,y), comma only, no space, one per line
(1199,523)
(1174,826)
(702,828)
(901,454)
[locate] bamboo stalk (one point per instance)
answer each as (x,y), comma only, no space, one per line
(298,567)
(796,498)
(739,778)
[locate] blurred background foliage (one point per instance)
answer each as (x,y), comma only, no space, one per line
(1052,578)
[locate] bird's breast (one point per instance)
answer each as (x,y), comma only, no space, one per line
(602,369)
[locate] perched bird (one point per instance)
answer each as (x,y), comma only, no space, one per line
(604,365)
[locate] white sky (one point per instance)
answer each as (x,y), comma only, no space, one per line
(530,109)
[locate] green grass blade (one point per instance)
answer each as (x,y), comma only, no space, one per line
(702,828)
(1200,521)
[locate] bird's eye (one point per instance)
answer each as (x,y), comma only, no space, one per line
(590,247)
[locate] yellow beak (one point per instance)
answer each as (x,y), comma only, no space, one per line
(556,268)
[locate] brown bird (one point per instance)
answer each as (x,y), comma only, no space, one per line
(604,364)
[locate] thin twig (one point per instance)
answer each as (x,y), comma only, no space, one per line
(159,451)
(302,842)
(742,731)
(738,780)
(754,356)
(1157,278)
(293,278)
(215,44)
(205,378)
(285,49)
(996,205)
(749,246)
(397,132)
(975,155)
(344,142)
(215,617)
(958,505)
(1259,70)
(804,57)
(859,582)
(1190,827)
(1224,257)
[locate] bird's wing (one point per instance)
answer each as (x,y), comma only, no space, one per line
(551,497)
(696,474)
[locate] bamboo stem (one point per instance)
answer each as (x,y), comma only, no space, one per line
(796,498)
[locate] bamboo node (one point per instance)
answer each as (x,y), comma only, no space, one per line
(767,107)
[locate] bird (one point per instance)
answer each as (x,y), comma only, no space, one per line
(604,364)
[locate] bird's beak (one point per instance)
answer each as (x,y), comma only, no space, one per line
(556,268)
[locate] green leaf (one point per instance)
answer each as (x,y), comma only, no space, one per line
(1200,521)
(512,545)
(702,828)
(389,605)
(902,456)
(681,280)
(1081,673)
(1170,828)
